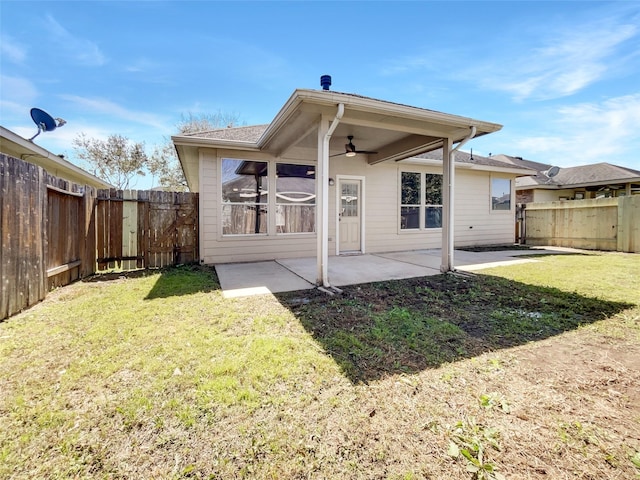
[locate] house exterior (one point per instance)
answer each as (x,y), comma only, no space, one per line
(342,174)
(552,184)
(15,146)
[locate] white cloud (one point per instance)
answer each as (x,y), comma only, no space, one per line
(82,51)
(12,50)
(534,62)
(588,133)
(566,63)
(103,107)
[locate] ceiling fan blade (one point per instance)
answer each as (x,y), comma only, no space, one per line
(365,151)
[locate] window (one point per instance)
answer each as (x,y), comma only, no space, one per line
(433,201)
(500,194)
(295,198)
(414,206)
(410,201)
(245,190)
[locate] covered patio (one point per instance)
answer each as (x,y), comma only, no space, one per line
(310,130)
(285,275)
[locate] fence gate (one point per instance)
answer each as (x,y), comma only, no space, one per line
(146,229)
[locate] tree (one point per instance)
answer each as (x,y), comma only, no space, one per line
(116,160)
(119,160)
(207,121)
(164,164)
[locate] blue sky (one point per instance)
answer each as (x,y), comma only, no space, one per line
(562,77)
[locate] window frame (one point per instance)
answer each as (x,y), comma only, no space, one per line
(499,211)
(271,204)
(422,206)
(277,204)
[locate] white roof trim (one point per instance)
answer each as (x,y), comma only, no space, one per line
(50,158)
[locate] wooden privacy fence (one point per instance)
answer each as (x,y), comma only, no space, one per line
(54,232)
(146,229)
(596,224)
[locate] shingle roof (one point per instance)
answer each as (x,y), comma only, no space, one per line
(251,133)
(598,172)
(465,157)
(522,162)
(573,176)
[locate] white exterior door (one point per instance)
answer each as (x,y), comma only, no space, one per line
(350,215)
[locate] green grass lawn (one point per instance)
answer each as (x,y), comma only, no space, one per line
(526,371)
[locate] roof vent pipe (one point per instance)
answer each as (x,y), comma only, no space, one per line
(325,81)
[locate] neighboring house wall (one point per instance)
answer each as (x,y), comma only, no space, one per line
(475,221)
(540,195)
(553,195)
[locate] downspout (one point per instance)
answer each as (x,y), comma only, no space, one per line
(448,265)
(323,241)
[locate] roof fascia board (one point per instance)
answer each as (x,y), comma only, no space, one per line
(60,162)
(523,172)
(212,143)
(598,182)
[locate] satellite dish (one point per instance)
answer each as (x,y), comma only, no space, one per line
(552,172)
(44,121)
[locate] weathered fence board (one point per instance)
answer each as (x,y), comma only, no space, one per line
(23,202)
(146,229)
(593,224)
(55,232)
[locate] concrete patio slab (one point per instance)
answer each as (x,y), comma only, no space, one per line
(244,279)
(351,270)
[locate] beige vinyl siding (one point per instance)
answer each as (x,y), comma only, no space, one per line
(208,205)
(541,195)
(475,223)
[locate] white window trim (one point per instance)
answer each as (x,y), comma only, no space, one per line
(511,195)
(422,227)
(272,230)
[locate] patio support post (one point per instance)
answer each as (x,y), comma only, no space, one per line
(320,174)
(447,206)
(324,136)
(448,180)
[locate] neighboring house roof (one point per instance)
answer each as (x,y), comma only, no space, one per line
(14,145)
(571,177)
(395,131)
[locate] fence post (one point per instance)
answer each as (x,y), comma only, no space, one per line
(629,224)
(88,266)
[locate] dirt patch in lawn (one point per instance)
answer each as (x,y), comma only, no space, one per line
(373,330)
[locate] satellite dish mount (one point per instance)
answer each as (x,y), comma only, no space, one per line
(44,122)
